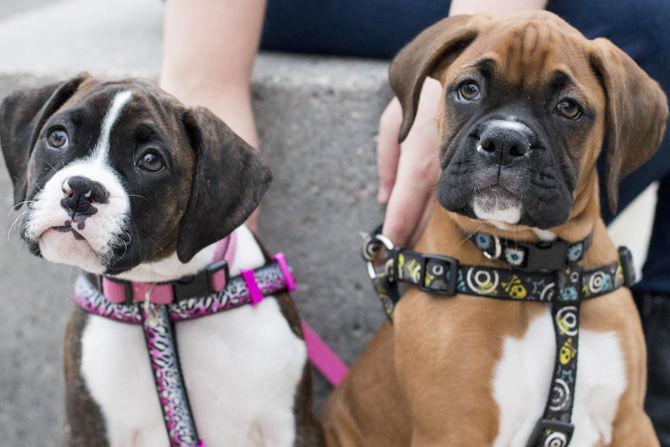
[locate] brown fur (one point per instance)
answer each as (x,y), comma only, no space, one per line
(79,404)
(427,380)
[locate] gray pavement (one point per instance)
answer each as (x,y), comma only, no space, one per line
(317,119)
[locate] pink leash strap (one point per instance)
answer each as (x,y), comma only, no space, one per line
(324,359)
(322,356)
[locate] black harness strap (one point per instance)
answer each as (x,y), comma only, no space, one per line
(564,288)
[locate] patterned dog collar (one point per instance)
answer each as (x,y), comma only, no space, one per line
(157,316)
(563,289)
(537,256)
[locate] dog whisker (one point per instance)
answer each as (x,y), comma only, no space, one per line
(469,237)
(20,204)
(16,220)
(48,164)
(427,123)
(138,196)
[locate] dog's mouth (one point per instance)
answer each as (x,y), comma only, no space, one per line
(67,228)
(58,234)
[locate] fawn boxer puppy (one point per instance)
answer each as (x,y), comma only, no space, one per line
(121,179)
(528,102)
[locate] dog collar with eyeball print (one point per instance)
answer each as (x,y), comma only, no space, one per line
(563,289)
(531,256)
(157,313)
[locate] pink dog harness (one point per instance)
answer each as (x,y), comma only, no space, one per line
(158,306)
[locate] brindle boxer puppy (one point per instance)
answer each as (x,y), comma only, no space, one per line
(466,371)
(121,178)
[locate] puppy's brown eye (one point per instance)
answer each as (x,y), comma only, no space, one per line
(569,109)
(151,161)
(57,138)
(469,91)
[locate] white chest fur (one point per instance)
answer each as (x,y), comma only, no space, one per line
(523,375)
(241,369)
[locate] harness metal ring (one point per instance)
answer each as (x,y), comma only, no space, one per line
(371,249)
(498,249)
(152,315)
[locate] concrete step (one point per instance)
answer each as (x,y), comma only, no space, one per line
(317,118)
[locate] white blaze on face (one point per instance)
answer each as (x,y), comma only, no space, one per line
(103,230)
(511,124)
(101,151)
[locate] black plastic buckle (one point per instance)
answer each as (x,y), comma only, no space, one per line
(551,257)
(97,282)
(452,273)
(560,436)
(128,292)
(194,285)
(628,266)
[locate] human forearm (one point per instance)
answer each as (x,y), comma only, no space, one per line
(210,46)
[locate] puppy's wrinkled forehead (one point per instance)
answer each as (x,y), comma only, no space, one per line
(99,109)
(533,53)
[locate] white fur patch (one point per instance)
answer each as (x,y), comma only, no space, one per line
(523,375)
(544,235)
(241,368)
(496,211)
(101,150)
(104,229)
(511,124)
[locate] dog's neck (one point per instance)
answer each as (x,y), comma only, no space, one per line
(171,268)
(446,232)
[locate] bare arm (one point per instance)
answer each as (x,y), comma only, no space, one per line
(208,55)
(209,50)
(408,172)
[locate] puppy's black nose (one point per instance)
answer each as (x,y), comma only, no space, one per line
(504,144)
(80,195)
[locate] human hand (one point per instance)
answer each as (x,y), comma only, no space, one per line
(408,172)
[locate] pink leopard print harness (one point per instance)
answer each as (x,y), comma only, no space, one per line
(157,307)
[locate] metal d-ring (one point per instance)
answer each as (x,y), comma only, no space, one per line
(498,249)
(151,314)
(371,249)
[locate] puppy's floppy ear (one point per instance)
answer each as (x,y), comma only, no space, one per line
(22,116)
(637,113)
(435,46)
(228,183)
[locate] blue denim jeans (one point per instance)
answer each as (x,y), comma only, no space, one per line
(379,28)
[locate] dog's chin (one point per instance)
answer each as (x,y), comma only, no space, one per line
(505,210)
(497,206)
(65,248)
